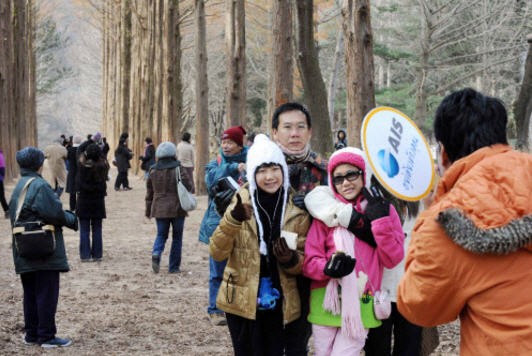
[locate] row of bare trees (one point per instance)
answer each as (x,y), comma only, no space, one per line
(274,53)
(142,55)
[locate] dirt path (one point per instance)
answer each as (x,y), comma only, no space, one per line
(119,306)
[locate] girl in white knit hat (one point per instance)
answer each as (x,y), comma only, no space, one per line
(262,234)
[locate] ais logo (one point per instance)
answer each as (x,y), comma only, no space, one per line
(388,163)
(387,160)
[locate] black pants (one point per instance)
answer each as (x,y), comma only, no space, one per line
(41,293)
(406,336)
(299,331)
(3,201)
(72,201)
(121,179)
(261,337)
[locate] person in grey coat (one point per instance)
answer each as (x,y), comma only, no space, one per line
(40,277)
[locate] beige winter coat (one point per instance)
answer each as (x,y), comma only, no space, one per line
(54,168)
(238,242)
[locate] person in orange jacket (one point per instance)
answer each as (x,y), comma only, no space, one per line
(471,250)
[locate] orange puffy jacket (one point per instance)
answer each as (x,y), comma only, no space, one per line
(471,254)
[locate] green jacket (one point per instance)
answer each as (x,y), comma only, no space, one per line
(41,202)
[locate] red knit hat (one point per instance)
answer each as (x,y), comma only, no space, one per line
(236,134)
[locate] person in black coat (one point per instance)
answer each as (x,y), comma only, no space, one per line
(148,159)
(92,187)
(122,157)
(72,165)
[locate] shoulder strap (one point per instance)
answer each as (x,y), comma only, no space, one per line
(177,174)
(22,197)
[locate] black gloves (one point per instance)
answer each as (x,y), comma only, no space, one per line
(241,211)
(222,200)
(377,208)
(360,226)
(339,265)
(283,253)
(299,200)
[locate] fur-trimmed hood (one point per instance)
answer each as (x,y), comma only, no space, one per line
(500,240)
(485,201)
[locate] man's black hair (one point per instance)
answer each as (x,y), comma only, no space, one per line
(148,140)
(186,137)
(290,107)
(467,120)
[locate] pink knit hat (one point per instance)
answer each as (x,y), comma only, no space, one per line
(348,155)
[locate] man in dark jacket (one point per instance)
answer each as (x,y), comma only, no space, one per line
(292,129)
(40,277)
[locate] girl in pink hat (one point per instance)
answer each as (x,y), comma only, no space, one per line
(346,265)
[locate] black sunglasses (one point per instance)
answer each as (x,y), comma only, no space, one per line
(351,176)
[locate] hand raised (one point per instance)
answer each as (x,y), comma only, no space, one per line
(241,211)
(377,208)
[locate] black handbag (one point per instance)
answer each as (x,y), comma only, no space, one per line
(33,239)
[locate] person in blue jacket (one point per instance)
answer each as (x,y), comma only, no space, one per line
(229,163)
(40,277)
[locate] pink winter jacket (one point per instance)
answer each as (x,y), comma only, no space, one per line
(389,252)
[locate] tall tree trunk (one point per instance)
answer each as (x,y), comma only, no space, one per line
(26,128)
(172,100)
(7,94)
(282,59)
(420,115)
(523,104)
(331,96)
(202,98)
(124,69)
(359,65)
(313,85)
(235,43)
(17,80)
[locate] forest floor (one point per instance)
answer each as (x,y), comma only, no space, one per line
(119,306)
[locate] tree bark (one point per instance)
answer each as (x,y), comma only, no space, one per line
(202,98)
(283,64)
(313,84)
(359,65)
(17,81)
(523,104)
(331,95)
(235,42)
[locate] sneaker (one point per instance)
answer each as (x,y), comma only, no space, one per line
(128,188)
(97,259)
(83,260)
(56,342)
(175,271)
(217,319)
(155,263)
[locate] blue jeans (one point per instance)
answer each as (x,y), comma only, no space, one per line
(216,274)
(163,227)
(85,249)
